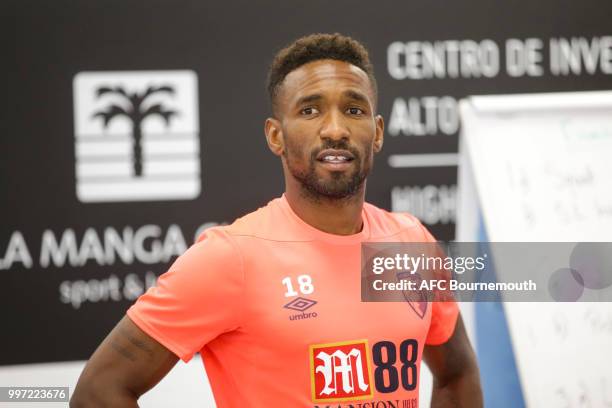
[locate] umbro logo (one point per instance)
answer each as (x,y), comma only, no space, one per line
(301,304)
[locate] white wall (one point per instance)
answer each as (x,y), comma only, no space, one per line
(185,386)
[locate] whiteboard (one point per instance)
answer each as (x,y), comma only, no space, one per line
(540,169)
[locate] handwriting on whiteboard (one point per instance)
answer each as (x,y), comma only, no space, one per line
(574,333)
(569,166)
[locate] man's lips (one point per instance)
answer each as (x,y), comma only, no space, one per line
(335,156)
(336,159)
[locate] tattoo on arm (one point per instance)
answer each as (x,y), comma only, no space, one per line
(128,345)
(136,342)
(122,350)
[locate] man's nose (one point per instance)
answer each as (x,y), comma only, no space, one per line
(335,126)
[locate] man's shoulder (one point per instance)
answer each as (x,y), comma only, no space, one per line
(267,222)
(393,225)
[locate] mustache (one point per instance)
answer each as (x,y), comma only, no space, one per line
(338,145)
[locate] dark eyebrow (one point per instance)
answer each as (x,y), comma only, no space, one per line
(351,94)
(358,96)
(309,99)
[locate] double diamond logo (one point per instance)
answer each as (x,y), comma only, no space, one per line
(300,304)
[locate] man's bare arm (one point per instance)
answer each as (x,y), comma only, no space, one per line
(455,371)
(128,363)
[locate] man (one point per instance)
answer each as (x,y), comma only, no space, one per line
(272,302)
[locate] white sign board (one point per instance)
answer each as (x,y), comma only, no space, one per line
(539,168)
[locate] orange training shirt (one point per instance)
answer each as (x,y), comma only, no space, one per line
(274,307)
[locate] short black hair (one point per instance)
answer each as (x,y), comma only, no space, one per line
(317,47)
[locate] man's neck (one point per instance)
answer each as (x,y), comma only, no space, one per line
(334,216)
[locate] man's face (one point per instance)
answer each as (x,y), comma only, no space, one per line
(329,130)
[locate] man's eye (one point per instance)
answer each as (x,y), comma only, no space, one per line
(355,111)
(309,111)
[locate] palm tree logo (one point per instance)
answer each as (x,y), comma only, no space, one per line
(136,136)
(136,112)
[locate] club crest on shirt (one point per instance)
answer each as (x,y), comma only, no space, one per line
(417,299)
(340,371)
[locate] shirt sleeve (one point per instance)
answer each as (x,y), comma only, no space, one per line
(444,314)
(197,299)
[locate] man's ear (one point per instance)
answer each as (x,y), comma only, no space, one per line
(380,133)
(274,136)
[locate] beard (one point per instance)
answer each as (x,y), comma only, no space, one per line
(339,185)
